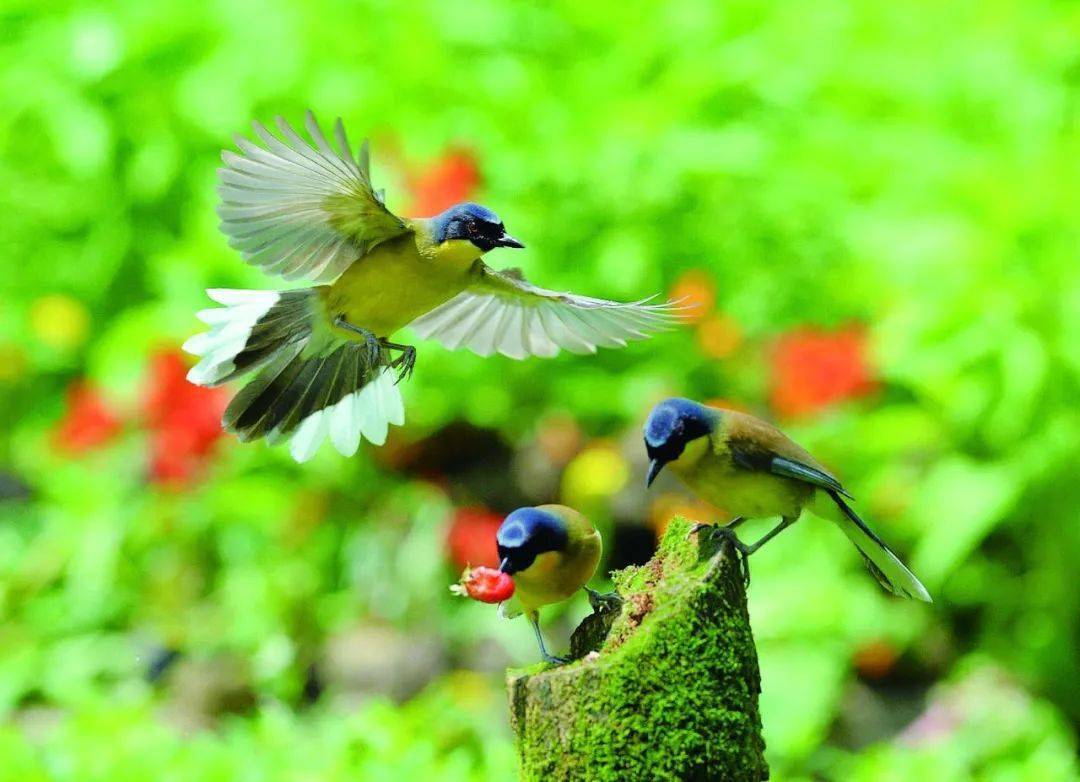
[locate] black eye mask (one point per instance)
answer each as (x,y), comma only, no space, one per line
(682,430)
(521,540)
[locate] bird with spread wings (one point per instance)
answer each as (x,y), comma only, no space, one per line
(322,357)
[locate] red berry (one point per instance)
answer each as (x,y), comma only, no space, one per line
(485,584)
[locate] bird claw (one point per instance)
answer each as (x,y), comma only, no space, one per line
(372,350)
(696,528)
(551,659)
(742,551)
(405,363)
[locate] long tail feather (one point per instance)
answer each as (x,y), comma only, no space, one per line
(309,383)
(885,566)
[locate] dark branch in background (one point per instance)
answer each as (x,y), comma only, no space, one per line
(667,687)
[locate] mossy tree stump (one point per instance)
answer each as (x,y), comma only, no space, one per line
(667,688)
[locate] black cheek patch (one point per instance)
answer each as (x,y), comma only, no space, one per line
(519,558)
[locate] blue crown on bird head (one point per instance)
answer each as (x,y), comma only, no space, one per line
(671,425)
(473,223)
(525,534)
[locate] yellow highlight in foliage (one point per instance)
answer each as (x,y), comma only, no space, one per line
(669,505)
(598,471)
(13,363)
(719,336)
(60,321)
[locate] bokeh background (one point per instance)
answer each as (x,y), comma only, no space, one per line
(874,206)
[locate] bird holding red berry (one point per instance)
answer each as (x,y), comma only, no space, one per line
(546,554)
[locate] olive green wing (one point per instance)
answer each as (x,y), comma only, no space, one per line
(757,445)
(301,209)
(500,312)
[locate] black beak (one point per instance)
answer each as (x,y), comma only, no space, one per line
(655,466)
(504,566)
(506,240)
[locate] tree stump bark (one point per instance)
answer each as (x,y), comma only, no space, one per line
(666,688)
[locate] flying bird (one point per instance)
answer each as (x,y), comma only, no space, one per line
(551,551)
(324,363)
(751,468)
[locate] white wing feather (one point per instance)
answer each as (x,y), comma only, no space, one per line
(502,313)
(364,414)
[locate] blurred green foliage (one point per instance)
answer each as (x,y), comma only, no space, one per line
(909,170)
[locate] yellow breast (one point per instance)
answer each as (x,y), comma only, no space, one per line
(555,575)
(716,479)
(398,282)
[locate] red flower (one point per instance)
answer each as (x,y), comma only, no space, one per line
(88,423)
(184,420)
(471,540)
(451,179)
(813,369)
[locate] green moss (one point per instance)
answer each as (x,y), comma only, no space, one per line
(673,692)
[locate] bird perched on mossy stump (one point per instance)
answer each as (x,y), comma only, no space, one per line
(665,688)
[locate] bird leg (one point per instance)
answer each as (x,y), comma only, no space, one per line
(726,532)
(373,347)
(785,522)
(403,363)
(603,602)
(534,617)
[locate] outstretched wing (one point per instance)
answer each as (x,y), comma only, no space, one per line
(500,312)
(300,210)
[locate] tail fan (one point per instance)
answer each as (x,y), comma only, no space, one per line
(311,384)
(885,566)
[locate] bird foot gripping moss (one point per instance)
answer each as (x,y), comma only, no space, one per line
(697,527)
(742,551)
(726,534)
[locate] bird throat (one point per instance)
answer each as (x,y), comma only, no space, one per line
(456,252)
(691,455)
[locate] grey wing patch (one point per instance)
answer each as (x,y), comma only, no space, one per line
(789,468)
